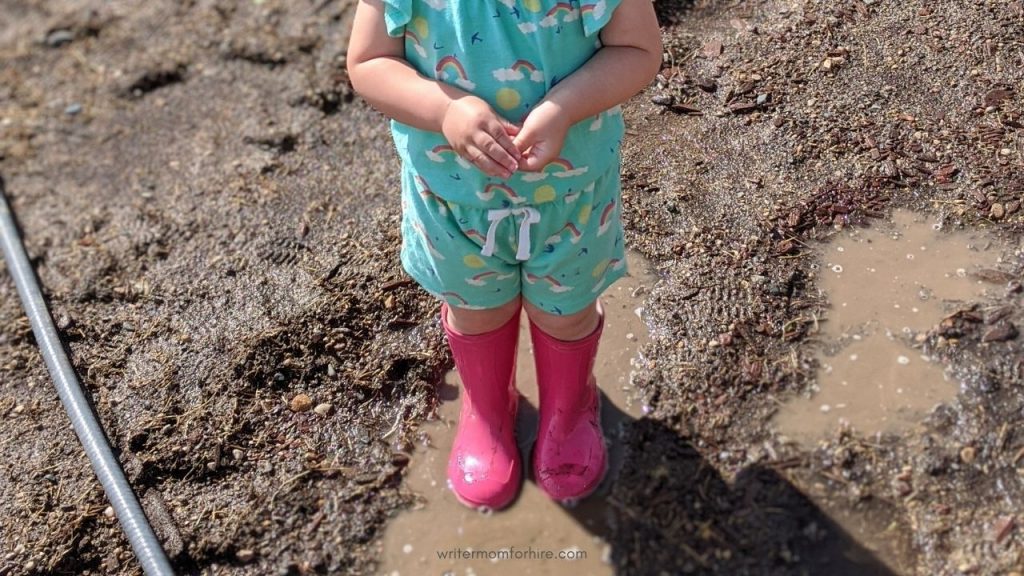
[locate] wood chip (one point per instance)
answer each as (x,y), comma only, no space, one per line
(742,107)
(992,276)
(1003,528)
(1001,332)
(686,109)
(997,96)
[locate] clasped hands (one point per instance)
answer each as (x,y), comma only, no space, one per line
(496,146)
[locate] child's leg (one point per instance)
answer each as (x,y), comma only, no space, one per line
(484,467)
(471,322)
(572,327)
(583,256)
(569,458)
(442,250)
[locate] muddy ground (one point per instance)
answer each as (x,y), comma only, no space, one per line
(213,217)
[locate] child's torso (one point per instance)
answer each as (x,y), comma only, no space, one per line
(509,53)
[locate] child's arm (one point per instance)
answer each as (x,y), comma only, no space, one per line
(629,59)
(380,74)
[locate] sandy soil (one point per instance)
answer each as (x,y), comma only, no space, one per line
(213,218)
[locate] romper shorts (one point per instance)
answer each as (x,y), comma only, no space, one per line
(559,254)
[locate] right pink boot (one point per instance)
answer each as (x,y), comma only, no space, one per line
(484,467)
(569,457)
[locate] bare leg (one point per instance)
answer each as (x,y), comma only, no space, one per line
(470,322)
(568,328)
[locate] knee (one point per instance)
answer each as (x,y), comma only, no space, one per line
(470,322)
(569,327)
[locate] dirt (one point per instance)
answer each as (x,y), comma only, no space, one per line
(213,216)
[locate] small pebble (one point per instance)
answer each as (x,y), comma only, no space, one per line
(323,409)
(59,38)
(109,512)
(245,555)
(300,403)
(662,100)
(73,109)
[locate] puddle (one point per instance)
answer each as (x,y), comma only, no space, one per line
(534,536)
(886,284)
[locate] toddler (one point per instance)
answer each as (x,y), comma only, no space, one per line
(506,116)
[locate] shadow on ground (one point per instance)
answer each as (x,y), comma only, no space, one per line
(670,511)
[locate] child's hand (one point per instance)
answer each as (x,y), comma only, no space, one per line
(481,136)
(542,135)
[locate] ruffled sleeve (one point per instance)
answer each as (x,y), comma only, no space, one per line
(397,14)
(595,14)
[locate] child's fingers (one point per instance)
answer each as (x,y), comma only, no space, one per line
(522,141)
(499,153)
(531,163)
(503,140)
(529,142)
(485,163)
(509,130)
(537,158)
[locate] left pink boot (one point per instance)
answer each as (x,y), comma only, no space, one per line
(484,467)
(569,458)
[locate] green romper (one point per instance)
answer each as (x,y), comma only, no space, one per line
(555,236)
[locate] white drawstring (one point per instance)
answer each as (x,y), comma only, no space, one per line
(530,216)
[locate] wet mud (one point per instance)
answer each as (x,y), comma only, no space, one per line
(212,214)
(887,286)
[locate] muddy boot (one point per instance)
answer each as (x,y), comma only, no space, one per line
(484,468)
(569,458)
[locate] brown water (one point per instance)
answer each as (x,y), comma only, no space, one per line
(516,541)
(886,284)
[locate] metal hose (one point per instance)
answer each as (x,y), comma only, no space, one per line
(133,520)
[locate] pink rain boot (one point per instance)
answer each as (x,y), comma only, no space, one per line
(484,468)
(569,458)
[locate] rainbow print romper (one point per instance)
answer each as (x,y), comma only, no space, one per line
(555,236)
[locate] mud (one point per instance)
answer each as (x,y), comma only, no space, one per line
(212,215)
(418,541)
(887,286)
